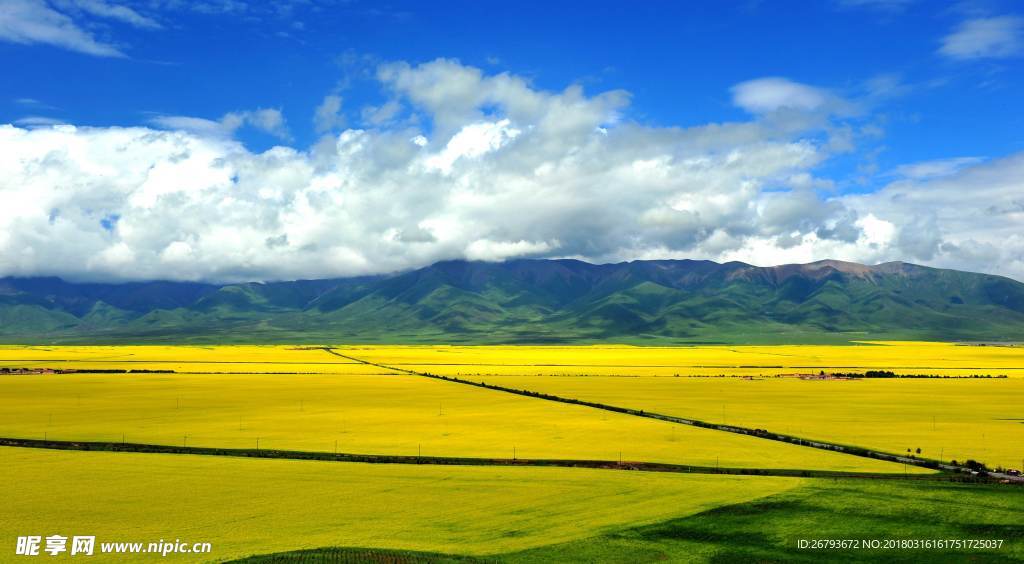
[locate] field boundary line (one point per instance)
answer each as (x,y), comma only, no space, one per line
(147,448)
(757,433)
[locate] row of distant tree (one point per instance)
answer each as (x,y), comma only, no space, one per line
(891,374)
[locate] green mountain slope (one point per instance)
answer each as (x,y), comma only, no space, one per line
(534,301)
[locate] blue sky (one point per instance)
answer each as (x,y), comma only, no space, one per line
(885,91)
(677,60)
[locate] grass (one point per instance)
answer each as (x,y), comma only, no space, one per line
(767,529)
(244,506)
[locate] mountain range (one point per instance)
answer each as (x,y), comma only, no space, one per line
(533,301)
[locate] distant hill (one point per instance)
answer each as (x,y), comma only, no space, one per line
(533,301)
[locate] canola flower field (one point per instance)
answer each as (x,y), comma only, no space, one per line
(955,419)
(900,357)
(380,400)
(303,398)
(396,414)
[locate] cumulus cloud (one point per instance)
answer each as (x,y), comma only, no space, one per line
(969,219)
(965,217)
(481,166)
(35,22)
(981,38)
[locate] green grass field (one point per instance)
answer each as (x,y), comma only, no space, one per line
(246,507)
(768,529)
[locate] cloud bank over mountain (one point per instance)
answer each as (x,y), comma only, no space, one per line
(485,167)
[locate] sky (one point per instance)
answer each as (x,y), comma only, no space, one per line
(226,140)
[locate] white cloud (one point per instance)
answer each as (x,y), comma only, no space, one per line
(764,95)
(197,125)
(968,219)
(118,12)
(505,170)
(34,22)
(935,168)
(981,38)
(328,114)
(472,141)
(485,249)
(267,120)
(38,121)
(32,103)
(378,115)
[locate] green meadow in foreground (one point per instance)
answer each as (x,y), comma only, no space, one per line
(768,529)
(250,507)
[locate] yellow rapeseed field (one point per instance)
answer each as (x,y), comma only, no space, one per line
(950,419)
(317,399)
(374,414)
(768,360)
(196,359)
(945,418)
(250,506)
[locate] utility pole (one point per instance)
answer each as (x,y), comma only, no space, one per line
(257,444)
